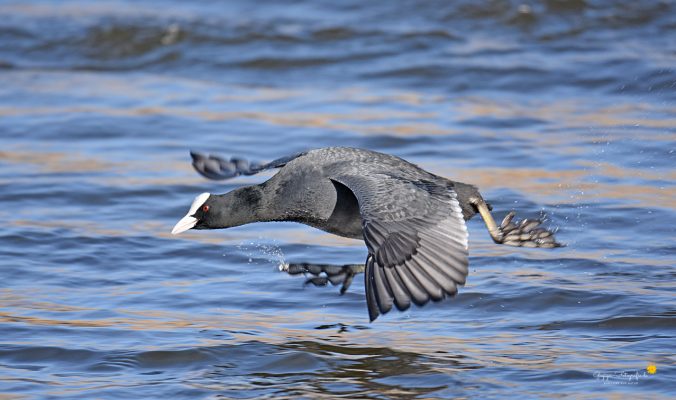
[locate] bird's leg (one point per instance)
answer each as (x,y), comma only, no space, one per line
(525,233)
(486,215)
(322,274)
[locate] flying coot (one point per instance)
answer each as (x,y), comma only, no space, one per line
(412,221)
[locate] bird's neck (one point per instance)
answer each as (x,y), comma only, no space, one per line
(247,205)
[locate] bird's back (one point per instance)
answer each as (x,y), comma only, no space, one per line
(332,161)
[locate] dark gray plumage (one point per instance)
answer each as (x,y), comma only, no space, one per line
(412,221)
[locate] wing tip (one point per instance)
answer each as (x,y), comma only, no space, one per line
(371,301)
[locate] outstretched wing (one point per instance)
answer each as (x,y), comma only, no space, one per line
(219,168)
(416,237)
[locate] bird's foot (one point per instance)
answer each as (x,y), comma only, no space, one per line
(323,274)
(524,233)
(219,168)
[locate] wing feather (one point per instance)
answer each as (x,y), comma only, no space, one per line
(432,288)
(416,236)
(371,301)
(402,299)
(419,295)
(382,291)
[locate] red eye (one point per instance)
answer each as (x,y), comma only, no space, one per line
(205,208)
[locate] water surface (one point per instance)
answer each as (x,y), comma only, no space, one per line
(556,108)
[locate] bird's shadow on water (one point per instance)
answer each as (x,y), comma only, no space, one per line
(323,274)
(336,362)
(350,369)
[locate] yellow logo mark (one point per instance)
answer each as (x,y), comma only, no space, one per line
(651,368)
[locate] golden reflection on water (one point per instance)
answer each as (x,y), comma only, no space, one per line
(364,122)
(539,184)
(543,351)
(575,112)
(369,119)
(56,162)
(556,186)
(9,298)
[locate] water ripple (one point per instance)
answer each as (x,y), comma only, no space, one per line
(560,110)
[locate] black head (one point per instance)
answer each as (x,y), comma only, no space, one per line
(221,211)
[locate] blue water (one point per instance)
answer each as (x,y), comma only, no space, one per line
(556,108)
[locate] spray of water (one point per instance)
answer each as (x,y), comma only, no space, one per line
(263,252)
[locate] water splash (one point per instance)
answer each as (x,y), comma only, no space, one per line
(263,252)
